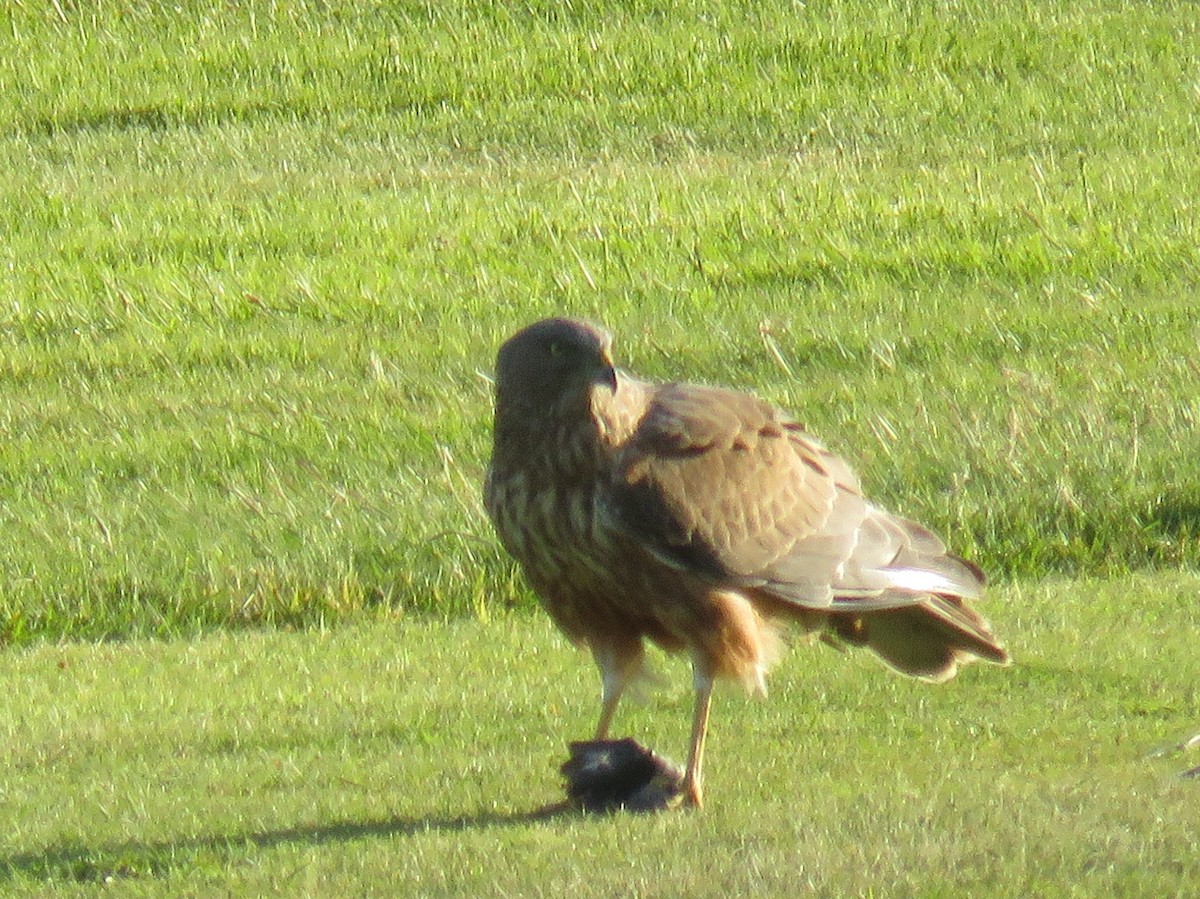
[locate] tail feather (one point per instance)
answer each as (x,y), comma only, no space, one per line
(929,640)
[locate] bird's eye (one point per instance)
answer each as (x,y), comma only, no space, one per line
(555,349)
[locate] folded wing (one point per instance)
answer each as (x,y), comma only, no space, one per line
(721,484)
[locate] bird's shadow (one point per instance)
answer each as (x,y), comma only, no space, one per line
(81,863)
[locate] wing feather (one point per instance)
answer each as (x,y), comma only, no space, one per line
(722,485)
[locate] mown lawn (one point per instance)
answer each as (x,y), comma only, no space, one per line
(255,260)
(412,759)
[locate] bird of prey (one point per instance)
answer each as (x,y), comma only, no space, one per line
(705,521)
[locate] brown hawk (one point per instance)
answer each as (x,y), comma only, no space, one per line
(703,520)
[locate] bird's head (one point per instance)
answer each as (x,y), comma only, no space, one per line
(551,368)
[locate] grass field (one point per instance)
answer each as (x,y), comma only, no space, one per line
(255,260)
(411,759)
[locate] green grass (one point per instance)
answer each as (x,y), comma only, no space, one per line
(410,759)
(255,261)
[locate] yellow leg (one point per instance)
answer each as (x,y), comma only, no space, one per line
(692,787)
(618,666)
(607,710)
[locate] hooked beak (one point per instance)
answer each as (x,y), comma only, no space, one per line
(607,375)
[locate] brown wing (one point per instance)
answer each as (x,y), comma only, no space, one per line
(722,485)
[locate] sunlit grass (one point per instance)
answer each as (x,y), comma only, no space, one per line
(257,261)
(413,758)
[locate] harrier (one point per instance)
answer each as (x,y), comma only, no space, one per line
(705,521)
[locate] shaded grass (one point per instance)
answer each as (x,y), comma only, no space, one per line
(416,755)
(601,76)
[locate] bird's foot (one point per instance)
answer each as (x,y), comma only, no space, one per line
(690,793)
(607,775)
